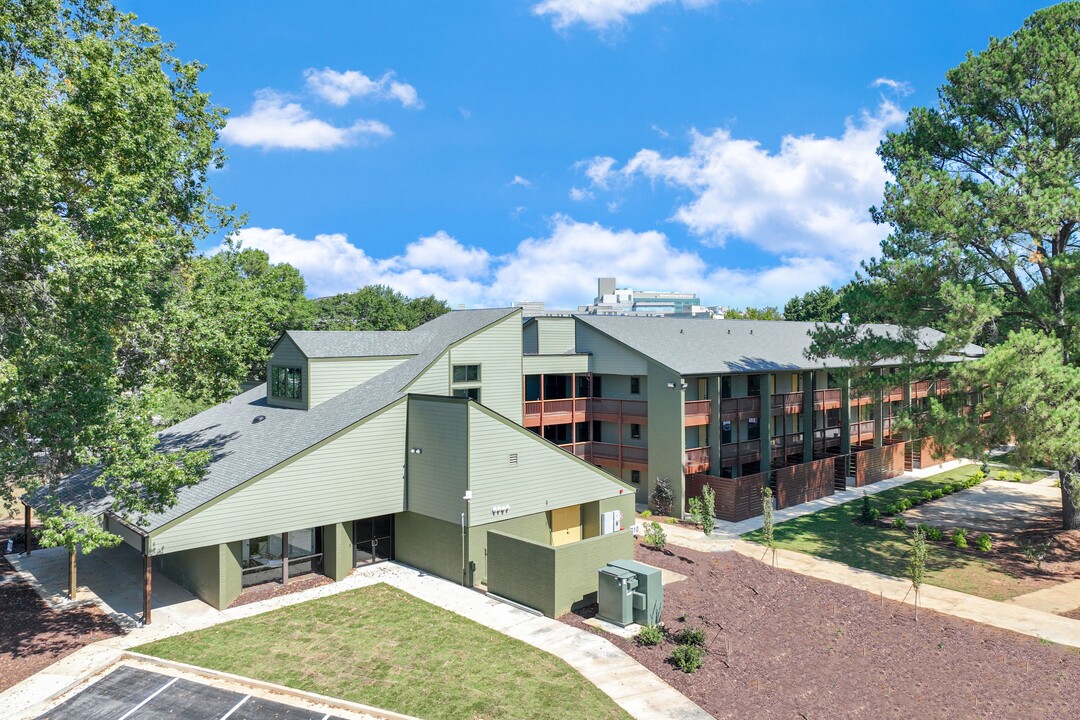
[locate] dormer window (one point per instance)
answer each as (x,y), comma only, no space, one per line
(287,383)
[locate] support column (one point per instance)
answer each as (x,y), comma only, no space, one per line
(73,585)
(845,425)
(808,415)
(284,558)
(907,404)
(27,539)
(765,422)
(879,416)
(148,577)
(715,425)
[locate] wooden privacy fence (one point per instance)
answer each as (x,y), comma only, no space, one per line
(877,464)
(921,453)
(804,482)
(736,498)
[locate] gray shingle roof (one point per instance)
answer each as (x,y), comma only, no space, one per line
(705,346)
(242,448)
(338,344)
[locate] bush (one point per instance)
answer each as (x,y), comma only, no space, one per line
(649,635)
(874,514)
(935,534)
(646,513)
(1011,476)
(692,636)
(694,505)
(949,489)
(983,543)
(937,493)
(662,496)
(977,477)
(904,504)
(892,509)
(867,509)
(899,522)
(708,509)
(927,496)
(923,528)
(655,537)
(959,538)
(688,658)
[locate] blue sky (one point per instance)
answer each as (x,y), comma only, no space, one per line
(491,152)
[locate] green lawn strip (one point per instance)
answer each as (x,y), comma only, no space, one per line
(383,647)
(836,534)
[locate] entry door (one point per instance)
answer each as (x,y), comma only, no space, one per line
(566,525)
(374,539)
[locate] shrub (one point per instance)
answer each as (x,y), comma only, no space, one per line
(646,513)
(892,509)
(977,477)
(949,489)
(927,496)
(708,509)
(1036,550)
(937,493)
(1011,476)
(904,504)
(695,510)
(662,496)
(899,522)
(923,528)
(874,514)
(692,636)
(867,509)
(935,534)
(983,543)
(649,635)
(959,538)
(688,658)
(655,537)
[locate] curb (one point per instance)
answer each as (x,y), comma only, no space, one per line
(268,686)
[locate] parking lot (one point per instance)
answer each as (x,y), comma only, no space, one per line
(129,693)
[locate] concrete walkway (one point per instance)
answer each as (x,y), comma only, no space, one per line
(1056,599)
(989,612)
(633,687)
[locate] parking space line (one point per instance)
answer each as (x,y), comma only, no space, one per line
(236,707)
(157,692)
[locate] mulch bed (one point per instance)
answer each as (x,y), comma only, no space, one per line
(32,635)
(783,645)
(276,589)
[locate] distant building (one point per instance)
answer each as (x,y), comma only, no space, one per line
(611,300)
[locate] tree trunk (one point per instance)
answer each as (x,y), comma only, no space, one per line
(73,587)
(1070,499)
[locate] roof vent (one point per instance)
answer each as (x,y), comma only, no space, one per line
(258,419)
(513,458)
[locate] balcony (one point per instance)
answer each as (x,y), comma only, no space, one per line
(612,410)
(741,408)
(783,445)
(555,412)
(896,393)
(698,412)
(920,389)
(830,399)
(612,455)
(862,432)
(787,402)
(742,452)
(826,439)
(697,460)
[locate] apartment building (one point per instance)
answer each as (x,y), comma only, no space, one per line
(612,300)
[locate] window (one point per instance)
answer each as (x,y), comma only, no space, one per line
(635,386)
(287,382)
(795,382)
(471,393)
(635,477)
(725,432)
(753,429)
(725,386)
(635,431)
(753,385)
(772,384)
(466,373)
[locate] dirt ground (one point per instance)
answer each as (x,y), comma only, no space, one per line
(782,645)
(276,589)
(33,636)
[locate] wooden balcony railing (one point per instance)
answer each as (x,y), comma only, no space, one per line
(920,389)
(697,460)
(896,393)
(862,432)
(793,441)
(745,451)
(789,402)
(614,410)
(610,454)
(555,412)
(698,412)
(829,399)
(740,408)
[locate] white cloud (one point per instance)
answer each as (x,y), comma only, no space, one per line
(338,88)
(900,87)
(599,170)
(518,180)
(580,195)
(560,268)
(275,123)
(660,131)
(601,14)
(810,199)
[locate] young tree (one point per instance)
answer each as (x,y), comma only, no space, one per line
(65,527)
(983,208)
(916,568)
(768,521)
(708,509)
(105,145)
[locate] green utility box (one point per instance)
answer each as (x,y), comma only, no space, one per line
(649,595)
(615,593)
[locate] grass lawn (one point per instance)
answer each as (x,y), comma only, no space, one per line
(836,534)
(383,647)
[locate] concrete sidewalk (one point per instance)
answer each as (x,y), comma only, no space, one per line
(1002,615)
(1055,599)
(633,687)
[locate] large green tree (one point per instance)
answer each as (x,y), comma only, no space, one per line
(105,144)
(984,205)
(374,307)
(820,305)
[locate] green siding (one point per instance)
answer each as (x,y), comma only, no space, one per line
(497,349)
(330,377)
(544,477)
(128,535)
(531,527)
(529,340)
(555,364)
(357,473)
(429,544)
(286,354)
(608,355)
(553,580)
(666,436)
(618,386)
(435,380)
(338,550)
(212,573)
(438,475)
(555,335)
